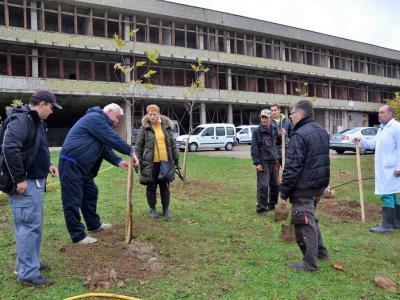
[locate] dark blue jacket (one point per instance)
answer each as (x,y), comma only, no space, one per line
(24,142)
(264,145)
(91,140)
(286,124)
(306,170)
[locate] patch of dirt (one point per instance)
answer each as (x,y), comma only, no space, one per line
(111,262)
(343,210)
(287,233)
(192,189)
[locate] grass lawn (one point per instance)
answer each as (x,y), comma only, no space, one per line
(215,247)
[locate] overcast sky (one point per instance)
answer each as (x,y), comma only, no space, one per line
(371,21)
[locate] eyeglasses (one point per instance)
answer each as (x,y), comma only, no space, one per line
(294,112)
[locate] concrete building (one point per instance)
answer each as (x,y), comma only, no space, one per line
(67,46)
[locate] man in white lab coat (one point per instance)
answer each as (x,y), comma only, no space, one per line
(387,168)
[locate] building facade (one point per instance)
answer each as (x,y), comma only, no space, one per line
(68,46)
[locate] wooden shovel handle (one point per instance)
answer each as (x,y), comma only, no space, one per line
(360,185)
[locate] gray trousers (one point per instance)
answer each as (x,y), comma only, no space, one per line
(306,228)
(267,187)
(27,210)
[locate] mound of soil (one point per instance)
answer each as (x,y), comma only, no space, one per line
(343,210)
(112,262)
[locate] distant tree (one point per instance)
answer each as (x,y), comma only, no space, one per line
(395,104)
(15,103)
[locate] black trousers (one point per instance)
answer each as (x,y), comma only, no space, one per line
(151,190)
(306,228)
(267,187)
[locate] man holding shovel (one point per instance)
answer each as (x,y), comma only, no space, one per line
(305,177)
(387,168)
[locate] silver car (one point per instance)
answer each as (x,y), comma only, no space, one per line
(343,141)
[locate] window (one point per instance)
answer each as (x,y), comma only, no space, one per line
(208,132)
(230,131)
(245,130)
(220,131)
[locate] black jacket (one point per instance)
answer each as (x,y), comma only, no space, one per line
(306,170)
(91,140)
(24,142)
(264,144)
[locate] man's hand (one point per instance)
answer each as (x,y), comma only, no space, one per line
(135,159)
(21,187)
(123,165)
(259,168)
(53,171)
(357,139)
(397,173)
(283,130)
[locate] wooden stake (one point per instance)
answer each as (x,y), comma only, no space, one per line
(128,219)
(283,150)
(360,186)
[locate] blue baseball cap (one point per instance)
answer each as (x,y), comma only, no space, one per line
(47,96)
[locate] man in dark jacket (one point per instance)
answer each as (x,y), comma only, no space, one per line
(265,159)
(88,142)
(27,159)
(284,126)
(305,177)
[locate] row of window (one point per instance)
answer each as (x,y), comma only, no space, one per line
(62,64)
(60,17)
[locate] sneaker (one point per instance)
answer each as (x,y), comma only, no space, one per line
(102,227)
(166,214)
(153,213)
(39,281)
(87,241)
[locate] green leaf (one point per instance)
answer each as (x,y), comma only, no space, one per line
(152,56)
(140,64)
(120,42)
(149,86)
(149,73)
(132,33)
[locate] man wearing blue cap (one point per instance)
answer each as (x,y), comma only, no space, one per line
(27,159)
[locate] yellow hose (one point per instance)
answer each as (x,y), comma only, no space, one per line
(90,295)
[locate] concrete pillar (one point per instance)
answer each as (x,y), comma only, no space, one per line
(201,38)
(230,113)
(286,112)
(127,77)
(126,29)
(228,42)
(35,62)
(124,127)
(229,78)
(203,114)
(284,85)
(283,56)
(330,89)
(345,121)
(327,121)
(34,23)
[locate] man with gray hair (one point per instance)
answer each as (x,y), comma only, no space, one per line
(88,142)
(386,144)
(265,159)
(305,177)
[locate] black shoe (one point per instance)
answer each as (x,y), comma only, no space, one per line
(44,267)
(166,214)
(300,266)
(271,206)
(37,282)
(153,213)
(262,212)
(323,257)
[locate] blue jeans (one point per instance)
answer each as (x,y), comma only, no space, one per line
(27,210)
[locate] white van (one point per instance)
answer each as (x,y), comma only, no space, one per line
(217,136)
(244,133)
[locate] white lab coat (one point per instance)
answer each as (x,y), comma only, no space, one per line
(387,157)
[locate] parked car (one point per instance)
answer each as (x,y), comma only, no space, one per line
(343,141)
(245,133)
(217,136)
